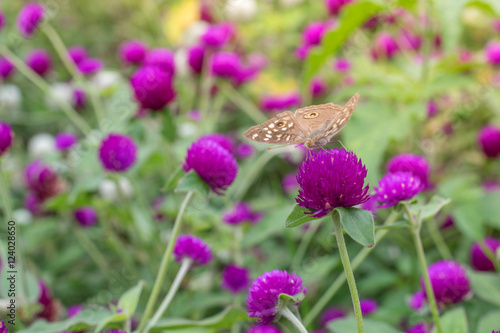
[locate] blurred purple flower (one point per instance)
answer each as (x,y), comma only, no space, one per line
(188,246)
(371,204)
(50,307)
(218,35)
(342,65)
(331,314)
(263,295)
(39,61)
(289,182)
(42,180)
(263,329)
(415,164)
(240,213)
(274,103)
(79,98)
(491,186)
(117,152)
(368,306)
(65,140)
(77,53)
(6,137)
(214,164)
(244,150)
(162,58)
(196,56)
(331,179)
(489,140)
(225,65)
(132,52)
(2,20)
(313,33)
(385,46)
(33,204)
(449,281)
(334,6)
(496,25)
(86,216)
(448,222)
(492,52)
(153,88)
(417,300)
(223,140)
(418,328)
(6,68)
(317,87)
(194,115)
(302,51)
(29,18)
(235,278)
(396,187)
(432,108)
(410,41)
(478,258)
(90,66)
(74,310)
(4,329)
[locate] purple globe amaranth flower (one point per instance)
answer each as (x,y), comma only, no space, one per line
(302,51)
(385,46)
(33,204)
(65,140)
(334,6)
(77,53)
(235,278)
(264,329)
(117,152)
(331,179)
(342,65)
(396,187)
(6,68)
(417,300)
(223,141)
(161,58)
(418,328)
(194,115)
(90,66)
(218,35)
(263,295)
(289,182)
(4,329)
(132,52)
(489,140)
(313,33)
(273,103)
(74,310)
(371,204)
(317,87)
(29,18)
(42,180)
(196,56)
(225,65)
(244,150)
(79,99)
(6,137)
(432,108)
(193,248)
(368,306)
(415,164)
(479,260)
(240,213)
(331,314)
(86,216)
(492,53)
(449,282)
(50,307)
(39,61)
(409,40)
(153,88)
(213,163)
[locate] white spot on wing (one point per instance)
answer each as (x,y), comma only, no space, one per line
(266,139)
(271,125)
(254,136)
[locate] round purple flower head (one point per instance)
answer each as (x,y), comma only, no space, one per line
(331,179)
(90,66)
(263,296)
(214,164)
(415,164)
(77,53)
(313,33)
(331,314)
(342,65)
(74,310)
(225,65)
(334,6)
(418,328)
(2,20)
(6,137)
(218,35)
(280,102)
(3,328)
(478,258)
(79,98)
(188,246)
(385,46)
(6,68)
(317,87)
(65,140)
(263,329)
(86,216)
(289,182)
(33,204)
(153,88)
(39,61)
(396,187)
(492,53)
(245,150)
(489,140)
(161,58)
(132,52)
(449,281)
(432,108)
(240,213)
(29,19)
(42,180)
(368,306)
(417,300)
(196,54)
(409,40)
(117,152)
(235,279)
(223,141)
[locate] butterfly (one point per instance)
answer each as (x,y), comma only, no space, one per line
(312,126)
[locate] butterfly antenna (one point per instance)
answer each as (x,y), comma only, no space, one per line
(270,148)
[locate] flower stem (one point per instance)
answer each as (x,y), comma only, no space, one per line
(285,312)
(185,265)
(437,238)
(4,190)
(344,256)
(164,263)
(415,230)
(339,281)
(250,109)
(304,244)
(93,252)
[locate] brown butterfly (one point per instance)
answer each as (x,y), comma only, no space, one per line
(313,125)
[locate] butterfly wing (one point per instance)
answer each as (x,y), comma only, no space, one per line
(313,117)
(341,119)
(282,130)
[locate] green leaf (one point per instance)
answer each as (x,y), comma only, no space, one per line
(114,318)
(173,180)
(353,16)
(298,216)
(486,286)
(449,14)
(431,208)
(491,209)
(224,319)
(397,225)
(191,182)
(285,300)
(143,221)
(454,321)
(349,325)
(271,224)
(128,301)
(489,322)
(358,223)
(168,129)
(86,319)
(493,4)
(468,218)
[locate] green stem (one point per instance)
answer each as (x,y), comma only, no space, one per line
(45,88)
(489,254)
(415,230)
(93,252)
(427,40)
(304,244)
(437,238)
(344,256)
(162,273)
(4,190)
(249,108)
(185,265)
(339,281)
(285,312)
